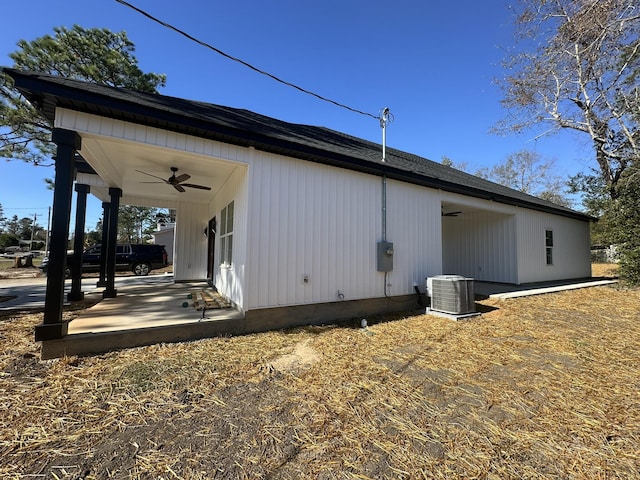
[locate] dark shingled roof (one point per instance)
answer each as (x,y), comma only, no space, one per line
(246,128)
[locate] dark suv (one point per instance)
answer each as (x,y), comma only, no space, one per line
(139,258)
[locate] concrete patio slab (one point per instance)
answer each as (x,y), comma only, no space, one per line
(506,291)
(146,311)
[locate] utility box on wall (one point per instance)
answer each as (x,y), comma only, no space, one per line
(385,256)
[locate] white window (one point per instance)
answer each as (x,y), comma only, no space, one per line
(548,241)
(226,235)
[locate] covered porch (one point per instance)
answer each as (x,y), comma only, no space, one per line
(123,164)
(147,310)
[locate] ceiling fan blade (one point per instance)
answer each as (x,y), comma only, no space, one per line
(191,185)
(151,175)
(451,214)
(176,181)
(181,178)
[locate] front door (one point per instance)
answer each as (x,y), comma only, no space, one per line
(211,245)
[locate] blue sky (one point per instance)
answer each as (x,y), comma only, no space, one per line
(434,64)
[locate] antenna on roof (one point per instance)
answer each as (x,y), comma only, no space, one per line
(385,117)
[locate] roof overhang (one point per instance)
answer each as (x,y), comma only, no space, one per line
(193,118)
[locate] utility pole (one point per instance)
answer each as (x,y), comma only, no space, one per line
(33,228)
(46,240)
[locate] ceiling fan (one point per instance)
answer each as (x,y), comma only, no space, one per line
(451,214)
(176,182)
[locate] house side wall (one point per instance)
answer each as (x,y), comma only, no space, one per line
(230,281)
(165,237)
(322,222)
(190,253)
(295,218)
(480,245)
(413,225)
(571,250)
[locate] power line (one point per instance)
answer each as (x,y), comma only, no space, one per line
(24,208)
(230,57)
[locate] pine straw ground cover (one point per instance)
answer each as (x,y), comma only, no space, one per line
(537,387)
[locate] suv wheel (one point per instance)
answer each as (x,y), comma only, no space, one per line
(141,268)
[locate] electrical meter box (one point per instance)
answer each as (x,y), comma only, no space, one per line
(385,256)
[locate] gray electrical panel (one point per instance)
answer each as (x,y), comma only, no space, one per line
(385,256)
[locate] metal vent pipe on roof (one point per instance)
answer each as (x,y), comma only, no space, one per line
(384,119)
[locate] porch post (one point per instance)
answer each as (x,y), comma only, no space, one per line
(78,244)
(68,142)
(112,239)
(106,208)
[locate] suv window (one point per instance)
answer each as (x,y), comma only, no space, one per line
(122,248)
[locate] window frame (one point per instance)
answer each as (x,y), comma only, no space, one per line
(226,235)
(548,246)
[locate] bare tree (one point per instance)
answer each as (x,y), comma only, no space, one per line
(578,70)
(447,162)
(528,172)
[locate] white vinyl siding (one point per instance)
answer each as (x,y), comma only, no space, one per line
(230,282)
(548,244)
(571,247)
(293,217)
(480,245)
(190,261)
(325,222)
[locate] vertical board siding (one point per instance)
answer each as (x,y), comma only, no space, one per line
(190,262)
(324,222)
(295,218)
(309,219)
(480,245)
(413,226)
(571,249)
(119,130)
(230,281)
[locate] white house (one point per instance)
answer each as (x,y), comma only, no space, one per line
(164,236)
(301,224)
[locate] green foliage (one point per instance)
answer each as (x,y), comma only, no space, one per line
(95,55)
(624,215)
(3,219)
(630,265)
(12,225)
(135,224)
(94,237)
(596,202)
(8,240)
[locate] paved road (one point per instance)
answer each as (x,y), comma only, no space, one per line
(29,293)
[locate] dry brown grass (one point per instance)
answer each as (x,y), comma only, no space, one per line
(604,269)
(538,387)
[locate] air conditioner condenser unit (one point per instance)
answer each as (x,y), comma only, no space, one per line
(451,294)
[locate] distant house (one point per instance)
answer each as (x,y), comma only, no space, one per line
(301,224)
(164,236)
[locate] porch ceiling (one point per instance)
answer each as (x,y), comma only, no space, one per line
(119,163)
(451,210)
(464,208)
